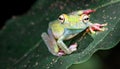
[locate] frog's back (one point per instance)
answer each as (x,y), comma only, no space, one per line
(56,28)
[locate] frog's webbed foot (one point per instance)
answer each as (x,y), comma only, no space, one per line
(71,48)
(97,27)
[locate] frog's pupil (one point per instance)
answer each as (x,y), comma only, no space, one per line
(86,19)
(60,18)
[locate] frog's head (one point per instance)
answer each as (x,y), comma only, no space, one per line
(83,16)
(64,18)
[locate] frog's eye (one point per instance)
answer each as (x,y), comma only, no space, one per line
(85,18)
(61,18)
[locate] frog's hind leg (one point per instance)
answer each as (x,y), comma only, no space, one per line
(51,44)
(52,38)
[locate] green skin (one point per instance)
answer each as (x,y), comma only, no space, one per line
(63,29)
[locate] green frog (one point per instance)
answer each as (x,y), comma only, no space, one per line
(67,26)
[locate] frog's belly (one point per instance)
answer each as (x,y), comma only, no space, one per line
(70,36)
(58,35)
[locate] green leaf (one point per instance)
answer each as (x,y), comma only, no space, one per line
(21,45)
(93,63)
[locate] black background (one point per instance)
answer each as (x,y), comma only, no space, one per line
(9,8)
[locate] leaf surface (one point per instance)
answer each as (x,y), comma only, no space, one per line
(21,42)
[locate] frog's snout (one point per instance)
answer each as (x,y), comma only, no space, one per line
(88,11)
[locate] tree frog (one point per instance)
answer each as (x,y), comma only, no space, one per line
(66,27)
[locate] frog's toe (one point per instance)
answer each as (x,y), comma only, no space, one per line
(73,47)
(61,53)
(98,27)
(103,29)
(105,24)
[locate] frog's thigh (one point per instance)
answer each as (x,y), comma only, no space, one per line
(52,47)
(52,38)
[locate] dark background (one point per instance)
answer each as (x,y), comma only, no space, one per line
(110,58)
(9,8)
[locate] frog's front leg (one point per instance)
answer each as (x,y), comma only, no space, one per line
(50,42)
(97,27)
(63,46)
